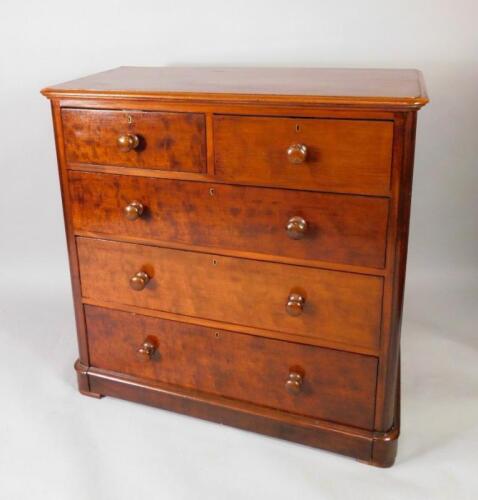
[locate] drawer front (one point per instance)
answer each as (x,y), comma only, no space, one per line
(338,228)
(321,383)
(332,305)
(347,156)
(164,141)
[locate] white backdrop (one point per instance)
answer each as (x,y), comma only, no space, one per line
(54,444)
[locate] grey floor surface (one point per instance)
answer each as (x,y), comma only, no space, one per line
(56,444)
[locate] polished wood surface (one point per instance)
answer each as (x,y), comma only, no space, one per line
(337,306)
(342,229)
(347,440)
(163,141)
(264,212)
(347,156)
(372,87)
(333,385)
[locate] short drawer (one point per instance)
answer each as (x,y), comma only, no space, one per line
(304,225)
(332,305)
(143,139)
(312,381)
(347,156)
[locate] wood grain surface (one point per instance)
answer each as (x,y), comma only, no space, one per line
(167,141)
(336,386)
(347,156)
(371,87)
(338,306)
(340,229)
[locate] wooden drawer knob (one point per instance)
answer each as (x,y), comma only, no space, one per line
(296,228)
(127,142)
(138,281)
(147,349)
(293,383)
(297,153)
(133,210)
(295,304)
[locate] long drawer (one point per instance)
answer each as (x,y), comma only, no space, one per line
(143,139)
(347,156)
(306,380)
(332,305)
(304,225)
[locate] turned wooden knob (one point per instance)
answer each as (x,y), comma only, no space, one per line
(297,153)
(296,228)
(295,304)
(293,383)
(133,210)
(127,142)
(139,281)
(147,349)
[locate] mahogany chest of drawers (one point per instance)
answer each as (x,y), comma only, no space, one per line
(237,242)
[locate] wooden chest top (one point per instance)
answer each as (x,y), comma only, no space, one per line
(380,87)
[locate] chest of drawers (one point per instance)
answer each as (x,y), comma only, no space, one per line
(237,242)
